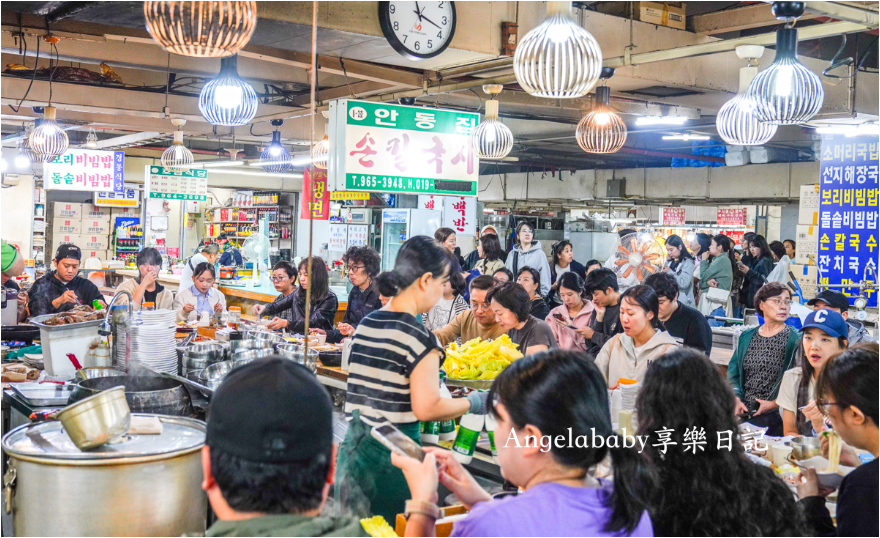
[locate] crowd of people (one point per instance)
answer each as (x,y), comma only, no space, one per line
(583,331)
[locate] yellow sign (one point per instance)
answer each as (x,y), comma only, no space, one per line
(349,195)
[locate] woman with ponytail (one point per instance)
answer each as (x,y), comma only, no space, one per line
(685,409)
(553,427)
(394,378)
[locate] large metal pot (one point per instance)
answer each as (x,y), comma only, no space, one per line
(93,372)
(97,419)
(144,393)
(143,485)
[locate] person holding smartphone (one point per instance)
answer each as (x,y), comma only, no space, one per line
(146,288)
(548,395)
(575,313)
(394,378)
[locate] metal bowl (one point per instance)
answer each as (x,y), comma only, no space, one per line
(264,336)
(297,354)
(250,344)
(210,352)
(197,364)
(804,448)
(213,375)
(195,375)
(250,355)
(98,419)
(100,371)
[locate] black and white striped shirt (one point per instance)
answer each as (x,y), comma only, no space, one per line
(385,349)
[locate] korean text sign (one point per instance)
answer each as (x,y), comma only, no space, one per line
(670,216)
(731,217)
(395,148)
(126,198)
(183,185)
(86,170)
(315,196)
(848,212)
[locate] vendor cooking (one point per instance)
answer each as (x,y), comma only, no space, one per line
(62,289)
(146,288)
(201,296)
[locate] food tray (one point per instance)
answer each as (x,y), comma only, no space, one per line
(43,395)
(476,384)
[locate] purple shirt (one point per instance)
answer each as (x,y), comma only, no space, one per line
(546,510)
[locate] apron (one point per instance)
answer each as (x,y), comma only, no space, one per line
(367,484)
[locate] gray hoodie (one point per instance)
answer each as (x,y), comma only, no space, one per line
(534,258)
(858,332)
(619,357)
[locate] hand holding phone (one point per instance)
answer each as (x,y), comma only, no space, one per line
(396,441)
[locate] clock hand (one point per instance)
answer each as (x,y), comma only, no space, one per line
(418,12)
(432,22)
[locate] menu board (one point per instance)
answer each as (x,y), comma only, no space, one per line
(86,170)
(671,216)
(358,235)
(338,237)
(172,185)
(732,217)
(848,212)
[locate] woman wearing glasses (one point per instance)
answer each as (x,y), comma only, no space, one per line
(284,279)
(201,297)
(323,301)
(762,356)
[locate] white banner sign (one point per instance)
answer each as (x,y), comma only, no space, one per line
(186,185)
(358,235)
(338,237)
(459,212)
(86,170)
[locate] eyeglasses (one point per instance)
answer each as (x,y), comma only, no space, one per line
(786,302)
(823,405)
(355,268)
(278,278)
(479,306)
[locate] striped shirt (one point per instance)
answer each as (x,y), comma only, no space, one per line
(385,349)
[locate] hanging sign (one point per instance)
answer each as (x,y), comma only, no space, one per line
(184,185)
(848,212)
(350,195)
(429,201)
(732,217)
(126,198)
(86,170)
(671,216)
(395,148)
(315,183)
(460,214)
(338,237)
(358,235)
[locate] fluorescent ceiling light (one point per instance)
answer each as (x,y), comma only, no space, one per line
(661,120)
(296,161)
(215,164)
(260,174)
(686,137)
(863,129)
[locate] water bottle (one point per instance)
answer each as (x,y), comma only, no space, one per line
(491,426)
(447,427)
(466,440)
(430,432)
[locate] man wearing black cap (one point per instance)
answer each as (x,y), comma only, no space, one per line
(269,458)
(834,300)
(62,289)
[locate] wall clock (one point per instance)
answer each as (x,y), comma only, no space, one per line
(418,30)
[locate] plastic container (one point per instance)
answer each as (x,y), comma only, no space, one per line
(234,317)
(59,340)
(466,440)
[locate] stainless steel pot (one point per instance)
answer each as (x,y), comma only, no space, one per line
(297,354)
(96,420)
(144,485)
(804,448)
(244,357)
(93,372)
(213,375)
(264,336)
(204,352)
(144,393)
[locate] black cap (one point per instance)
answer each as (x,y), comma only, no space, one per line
(271,411)
(223,237)
(834,299)
(68,251)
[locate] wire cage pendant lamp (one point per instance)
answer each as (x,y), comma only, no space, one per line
(786,93)
(736,122)
(26,144)
(48,140)
(321,153)
(177,157)
(275,159)
(227,99)
(491,139)
(558,58)
(602,130)
(201,28)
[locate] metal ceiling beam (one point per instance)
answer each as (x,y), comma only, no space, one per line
(341,92)
(733,20)
(130,140)
(844,12)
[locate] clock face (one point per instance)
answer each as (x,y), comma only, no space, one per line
(418,30)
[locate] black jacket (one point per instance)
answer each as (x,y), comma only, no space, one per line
(553,297)
(47,288)
(755,278)
(607,328)
(360,303)
(538,308)
(293,308)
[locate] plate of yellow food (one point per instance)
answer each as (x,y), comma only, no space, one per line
(477,362)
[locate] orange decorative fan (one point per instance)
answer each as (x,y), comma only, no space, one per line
(638,254)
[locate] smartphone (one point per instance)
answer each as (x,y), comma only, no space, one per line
(396,441)
(558,316)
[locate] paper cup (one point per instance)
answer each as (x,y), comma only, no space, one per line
(780,454)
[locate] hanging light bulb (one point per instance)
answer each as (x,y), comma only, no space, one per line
(91,139)
(202,29)
(602,130)
(491,139)
(321,153)
(227,99)
(736,121)
(177,157)
(558,58)
(48,140)
(275,159)
(786,93)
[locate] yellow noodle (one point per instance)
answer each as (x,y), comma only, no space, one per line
(834,447)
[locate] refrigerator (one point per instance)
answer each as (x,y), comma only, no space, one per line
(398,225)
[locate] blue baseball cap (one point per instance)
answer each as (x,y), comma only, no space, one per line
(829,321)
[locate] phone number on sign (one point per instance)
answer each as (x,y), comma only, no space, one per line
(391,183)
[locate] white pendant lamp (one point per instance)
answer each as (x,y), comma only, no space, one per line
(48,140)
(91,139)
(203,29)
(736,121)
(227,99)
(558,58)
(321,153)
(491,139)
(786,93)
(275,159)
(177,157)
(602,130)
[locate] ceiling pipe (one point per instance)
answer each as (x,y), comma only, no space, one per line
(844,13)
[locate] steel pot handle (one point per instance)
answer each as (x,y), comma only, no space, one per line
(9,488)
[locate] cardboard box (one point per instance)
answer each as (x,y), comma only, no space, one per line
(670,14)
(96,226)
(809,291)
(93,254)
(126,211)
(806,275)
(67,210)
(808,210)
(95,212)
(66,226)
(64,239)
(94,242)
(807,239)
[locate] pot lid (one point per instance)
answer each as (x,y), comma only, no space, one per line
(49,440)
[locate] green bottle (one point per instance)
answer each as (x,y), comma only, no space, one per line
(466,441)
